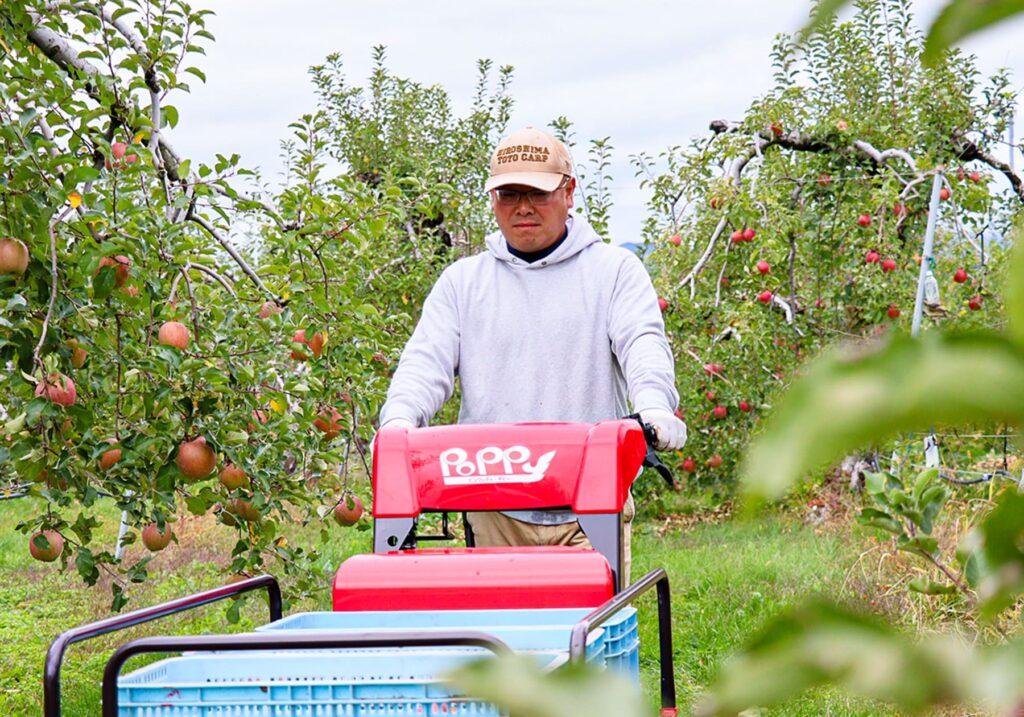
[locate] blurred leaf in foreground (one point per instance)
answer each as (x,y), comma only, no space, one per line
(521,688)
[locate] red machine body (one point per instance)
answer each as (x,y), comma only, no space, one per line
(587,468)
(474,579)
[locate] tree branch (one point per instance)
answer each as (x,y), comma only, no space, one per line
(192,216)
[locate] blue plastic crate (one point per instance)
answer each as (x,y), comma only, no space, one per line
(522,629)
(356,682)
(299,684)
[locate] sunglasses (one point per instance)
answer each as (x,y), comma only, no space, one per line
(536,197)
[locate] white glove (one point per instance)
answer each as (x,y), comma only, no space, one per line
(670,430)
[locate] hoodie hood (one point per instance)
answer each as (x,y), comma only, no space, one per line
(581,235)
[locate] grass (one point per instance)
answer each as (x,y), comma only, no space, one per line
(728,577)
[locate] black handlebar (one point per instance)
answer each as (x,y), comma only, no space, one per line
(651,460)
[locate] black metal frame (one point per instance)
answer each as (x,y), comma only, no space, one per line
(225,643)
(656,578)
(55,655)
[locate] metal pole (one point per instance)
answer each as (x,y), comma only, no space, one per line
(926,254)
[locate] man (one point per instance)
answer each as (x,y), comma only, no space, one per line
(549,324)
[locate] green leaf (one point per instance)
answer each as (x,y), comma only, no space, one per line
(921,544)
(961,18)
(519,687)
(842,403)
(923,585)
(818,643)
(822,15)
(1013,292)
(103,282)
(880,519)
(924,479)
(1002,547)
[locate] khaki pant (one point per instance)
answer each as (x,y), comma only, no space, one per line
(493,529)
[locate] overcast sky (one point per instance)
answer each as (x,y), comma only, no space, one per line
(647,73)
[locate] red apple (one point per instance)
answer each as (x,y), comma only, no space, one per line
(824,179)
(737,236)
(78,354)
(716,202)
(244,509)
(765,297)
(57,388)
(893,311)
(46,546)
(975,177)
(889,265)
(899,210)
(710,395)
(776,128)
(173,333)
(232,477)
(675,240)
(329,422)
(960,276)
(714,369)
(348,510)
(744,406)
(720,411)
(662,304)
(819,303)
(749,234)
(122,267)
(117,149)
(13,257)
(864,220)
(195,459)
(714,461)
(975,302)
(689,465)
(154,539)
(763,266)
(110,456)
(842,126)
(872,257)
(944,193)
(316,345)
(270,308)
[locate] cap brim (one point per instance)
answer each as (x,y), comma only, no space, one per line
(544,181)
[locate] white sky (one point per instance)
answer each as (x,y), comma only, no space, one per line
(650,74)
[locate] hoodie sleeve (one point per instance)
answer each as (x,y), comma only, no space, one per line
(637,333)
(425,377)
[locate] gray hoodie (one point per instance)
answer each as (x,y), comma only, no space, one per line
(566,338)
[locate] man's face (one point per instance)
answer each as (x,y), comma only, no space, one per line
(530,226)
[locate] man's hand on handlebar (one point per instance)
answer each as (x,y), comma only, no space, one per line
(670,431)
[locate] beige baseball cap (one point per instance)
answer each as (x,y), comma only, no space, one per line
(531,157)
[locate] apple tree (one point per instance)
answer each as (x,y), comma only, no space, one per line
(803,222)
(180,336)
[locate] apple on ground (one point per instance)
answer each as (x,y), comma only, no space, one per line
(196,459)
(348,510)
(13,257)
(57,388)
(156,540)
(175,334)
(46,546)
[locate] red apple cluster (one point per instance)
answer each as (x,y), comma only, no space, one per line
(742,235)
